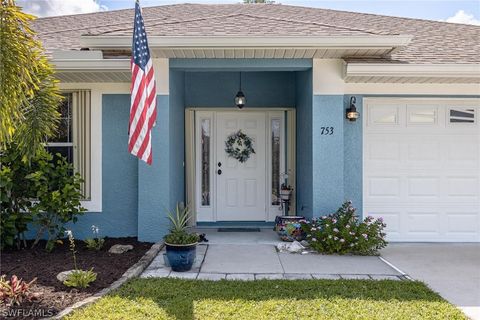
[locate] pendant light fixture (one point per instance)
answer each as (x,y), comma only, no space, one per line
(240,99)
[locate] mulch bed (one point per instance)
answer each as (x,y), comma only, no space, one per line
(54,296)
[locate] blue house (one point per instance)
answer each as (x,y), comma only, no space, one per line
(383,111)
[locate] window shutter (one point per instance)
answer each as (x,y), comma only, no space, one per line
(82,137)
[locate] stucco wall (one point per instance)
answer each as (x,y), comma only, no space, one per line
(119,176)
(154,181)
(177,138)
(328,184)
(218,89)
(304,159)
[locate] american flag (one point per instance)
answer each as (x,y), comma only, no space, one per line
(143,107)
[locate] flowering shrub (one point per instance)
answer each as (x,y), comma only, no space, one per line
(343,232)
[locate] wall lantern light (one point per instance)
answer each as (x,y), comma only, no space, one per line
(240,99)
(351,112)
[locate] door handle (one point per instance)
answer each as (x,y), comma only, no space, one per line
(219,172)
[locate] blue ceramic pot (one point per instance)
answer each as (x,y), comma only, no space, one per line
(181,256)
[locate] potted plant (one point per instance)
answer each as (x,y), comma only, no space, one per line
(181,245)
(285,191)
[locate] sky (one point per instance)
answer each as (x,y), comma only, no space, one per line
(456,11)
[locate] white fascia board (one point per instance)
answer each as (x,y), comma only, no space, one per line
(412,70)
(247,42)
(91,64)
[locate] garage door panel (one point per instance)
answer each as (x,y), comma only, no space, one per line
(421,224)
(421,173)
(462,151)
(424,187)
(462,222)
(421,151)
(383,150)
(384,187)
(465,187)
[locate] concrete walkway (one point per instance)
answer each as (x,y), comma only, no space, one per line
(451,269)
(262,261)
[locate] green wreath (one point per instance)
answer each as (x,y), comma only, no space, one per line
(239,146)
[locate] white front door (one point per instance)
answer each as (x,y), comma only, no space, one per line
(241,187)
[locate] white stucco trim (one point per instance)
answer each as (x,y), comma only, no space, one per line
(161,67)
(328,78)
(91,64)
(413,88)
(373,41)
(162,75)
(412,70)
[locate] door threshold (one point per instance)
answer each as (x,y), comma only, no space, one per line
(236,224)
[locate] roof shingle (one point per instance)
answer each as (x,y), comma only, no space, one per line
(433,42)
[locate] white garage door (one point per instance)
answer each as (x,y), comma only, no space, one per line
(422,168)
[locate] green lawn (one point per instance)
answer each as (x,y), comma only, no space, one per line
(270,299)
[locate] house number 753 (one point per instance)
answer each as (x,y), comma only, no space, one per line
(326,131)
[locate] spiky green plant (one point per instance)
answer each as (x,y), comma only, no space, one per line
(178,229)
(179,219)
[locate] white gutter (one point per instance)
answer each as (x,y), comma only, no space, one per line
(412,70)
(374,41)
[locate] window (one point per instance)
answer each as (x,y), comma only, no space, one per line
(422,115)
(63,141)
(462,115)
(275,130)
(384,114)
(205,160)
(73,137)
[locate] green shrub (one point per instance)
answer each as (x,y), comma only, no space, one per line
(50,182)
(16,192)
(80,278)
(343,232)
(57,194)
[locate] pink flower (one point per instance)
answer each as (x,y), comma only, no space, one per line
(347,226)
(329,236)
(314,239)
(335,230)
(365,235)
(352,233)
(335,238)
(334,220)
(342,240)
